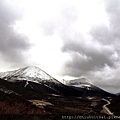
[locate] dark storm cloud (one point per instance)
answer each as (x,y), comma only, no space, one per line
(12,44)
(86,56)
(90,56)
(109,34)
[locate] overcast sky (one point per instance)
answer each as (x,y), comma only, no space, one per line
(66,38)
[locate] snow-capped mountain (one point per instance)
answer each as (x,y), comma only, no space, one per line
(31,77)
(30,73)
(81,82)
(36,79)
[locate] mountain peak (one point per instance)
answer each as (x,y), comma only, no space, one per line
(32,72)
(32,67)
(79,81)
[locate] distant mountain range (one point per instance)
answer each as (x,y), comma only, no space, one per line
(34,78)
(82,84)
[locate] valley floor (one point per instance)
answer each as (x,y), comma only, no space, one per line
(52,107)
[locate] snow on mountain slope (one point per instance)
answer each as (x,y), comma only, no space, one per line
(81,82)
(35,79)
(30,73)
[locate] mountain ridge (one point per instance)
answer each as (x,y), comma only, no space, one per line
(34,78)
(80,82)
(27,73)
